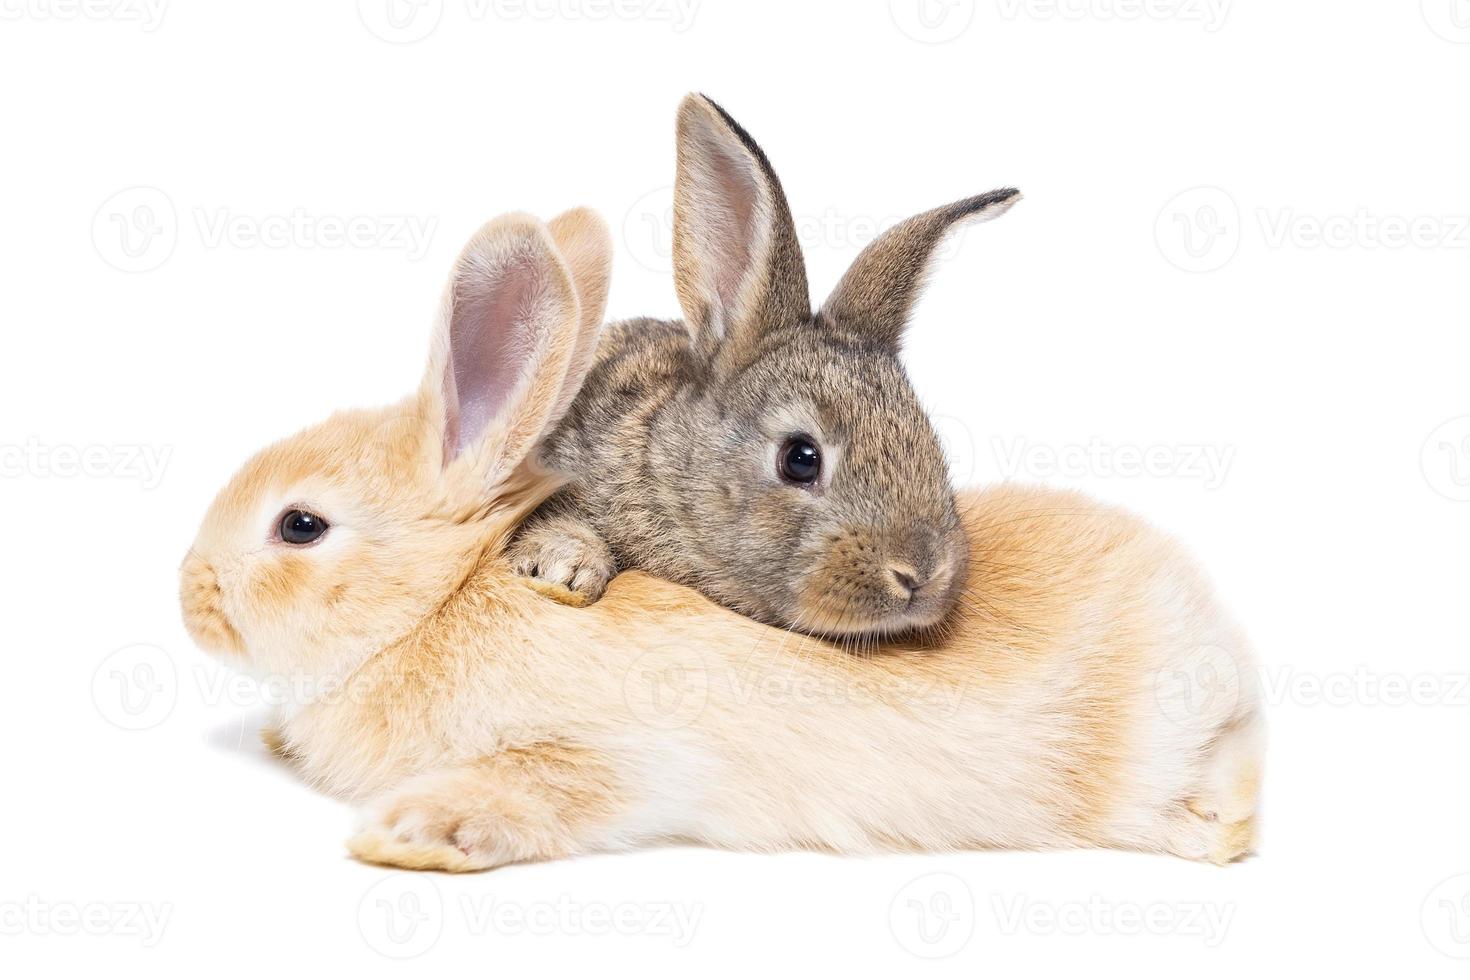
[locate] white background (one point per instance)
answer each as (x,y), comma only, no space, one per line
(1300,321)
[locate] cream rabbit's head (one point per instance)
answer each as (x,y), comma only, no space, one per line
(331,543)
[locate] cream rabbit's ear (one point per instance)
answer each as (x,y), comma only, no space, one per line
(508,331)
(586,246)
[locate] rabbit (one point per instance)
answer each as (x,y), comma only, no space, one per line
(775,459)
(1093,694)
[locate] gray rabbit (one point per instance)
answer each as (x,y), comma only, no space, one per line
(773,458)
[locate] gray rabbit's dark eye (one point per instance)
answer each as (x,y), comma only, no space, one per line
(301,527)
(799,461)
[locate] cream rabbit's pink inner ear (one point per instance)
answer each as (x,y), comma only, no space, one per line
(508,329)
(737,263)
(489,338)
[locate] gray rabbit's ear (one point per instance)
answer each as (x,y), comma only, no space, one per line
(878,291)
(737,264)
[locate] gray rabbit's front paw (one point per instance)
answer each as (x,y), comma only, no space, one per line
(567,555)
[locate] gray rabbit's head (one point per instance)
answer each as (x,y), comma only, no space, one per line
(810,481)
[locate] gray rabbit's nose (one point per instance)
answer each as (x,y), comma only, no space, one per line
(925,565)
(906,578)
(906,581)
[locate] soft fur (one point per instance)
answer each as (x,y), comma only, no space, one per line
(480,723)
(671,446)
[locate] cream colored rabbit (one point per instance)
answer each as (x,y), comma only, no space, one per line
(1090,693)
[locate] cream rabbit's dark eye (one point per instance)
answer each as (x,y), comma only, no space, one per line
(301,527)
(799,461)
